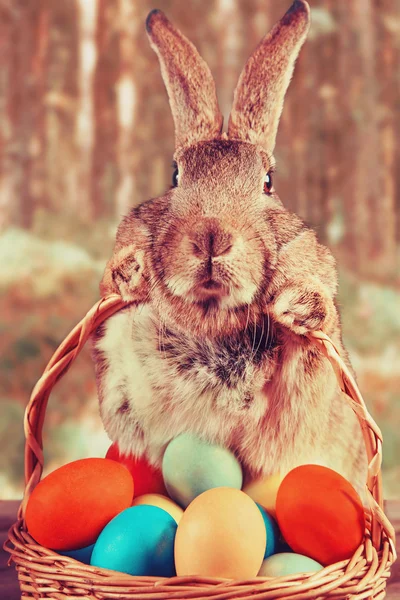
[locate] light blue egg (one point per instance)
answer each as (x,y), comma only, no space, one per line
(82,554)
(192,466)
(139,541)
(287,563)
(272,530)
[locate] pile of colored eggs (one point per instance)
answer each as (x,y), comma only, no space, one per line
(115,513)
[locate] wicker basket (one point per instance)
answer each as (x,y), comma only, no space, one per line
(43,573)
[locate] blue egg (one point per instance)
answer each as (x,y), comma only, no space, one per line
(192,466)
(139,541)
(82,554)
(285,563)
(273,532)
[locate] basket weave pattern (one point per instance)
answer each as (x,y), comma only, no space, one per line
(43,573)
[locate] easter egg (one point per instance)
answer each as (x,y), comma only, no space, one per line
(148,479)
(272,531)
(162,502)
(83,555)
(283,564)
(192,466)
(221,534)
(264,491)
(138,541)
(69,508)
(320,514)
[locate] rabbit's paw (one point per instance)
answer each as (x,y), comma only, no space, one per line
(302,308)
(127,271)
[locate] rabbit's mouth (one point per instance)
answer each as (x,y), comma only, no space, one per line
(212,285)
(210,289)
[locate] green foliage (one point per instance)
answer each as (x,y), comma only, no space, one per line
(370,313)
(12,440)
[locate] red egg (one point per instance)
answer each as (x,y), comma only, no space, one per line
(320,514)
(148,479)
(70,507)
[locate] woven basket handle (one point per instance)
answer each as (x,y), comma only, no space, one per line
(64,356)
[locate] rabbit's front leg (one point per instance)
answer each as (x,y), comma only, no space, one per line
(125,274)
(303,307)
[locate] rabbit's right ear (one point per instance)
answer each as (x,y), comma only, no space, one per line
(189,83)
(262,86)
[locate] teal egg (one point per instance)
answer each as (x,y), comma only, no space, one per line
(273,533)
(287,563)
(82,554)
(139,541)
(192,466)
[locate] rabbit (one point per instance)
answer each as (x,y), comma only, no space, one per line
(223,284)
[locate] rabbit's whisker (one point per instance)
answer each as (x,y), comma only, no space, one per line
(268,332)
(248,317)
(163,336)
(261,337)
(254,336)
(154,282)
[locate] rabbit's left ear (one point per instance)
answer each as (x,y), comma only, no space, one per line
(189,83)
(259,95)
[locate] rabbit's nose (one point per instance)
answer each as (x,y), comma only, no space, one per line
(212,244)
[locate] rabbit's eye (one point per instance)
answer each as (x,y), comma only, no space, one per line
(268,185)
(175,178)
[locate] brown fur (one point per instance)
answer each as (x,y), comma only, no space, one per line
(262,86)
(189,83)
(225,284)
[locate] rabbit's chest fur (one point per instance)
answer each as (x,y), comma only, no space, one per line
(248,392)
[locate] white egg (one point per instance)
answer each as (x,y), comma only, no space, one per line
(288,563)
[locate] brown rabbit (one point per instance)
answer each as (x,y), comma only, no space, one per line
(225,285)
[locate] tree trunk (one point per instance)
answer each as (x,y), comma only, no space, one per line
(229,52)
(383,204)
(327,123)
(7,179)
(359,127)
(62,158)
(26,36)
(127,101)
(87,17)
(104,166)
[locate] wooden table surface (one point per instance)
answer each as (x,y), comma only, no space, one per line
(9,589)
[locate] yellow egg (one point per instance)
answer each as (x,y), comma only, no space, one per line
(162,502)
(264,491)
(221,534)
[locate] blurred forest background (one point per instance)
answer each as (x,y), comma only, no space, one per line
(86,133)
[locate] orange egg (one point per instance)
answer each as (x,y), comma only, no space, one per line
(320,514)
(221,534)
(69,508)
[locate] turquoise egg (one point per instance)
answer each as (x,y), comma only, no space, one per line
(287,563)
(82,554)
(192,466)
(273,532)
(139,541)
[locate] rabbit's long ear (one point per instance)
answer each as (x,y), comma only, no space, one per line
(189,83)
(262,85)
